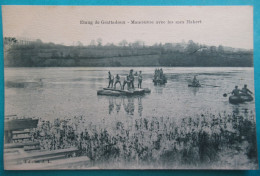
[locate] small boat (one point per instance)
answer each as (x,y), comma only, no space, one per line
(20,124)
(160,81)
(192,85)
(240,99)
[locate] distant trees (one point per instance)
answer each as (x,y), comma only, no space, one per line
(220,49)
(138,44)
(38,53)
(10,40)
(192,47)
(79,43)
(123,43)
(99,41)
(92,43)
(38,41)
(213,49)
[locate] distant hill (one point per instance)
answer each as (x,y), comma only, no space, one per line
(39,54)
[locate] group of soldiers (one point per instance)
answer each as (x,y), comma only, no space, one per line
(244,91)
(129,80)
(158,74)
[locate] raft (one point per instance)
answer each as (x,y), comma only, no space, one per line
(117,92)
(146,90)
(243,98)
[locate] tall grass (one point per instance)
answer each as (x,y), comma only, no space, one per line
(203,141)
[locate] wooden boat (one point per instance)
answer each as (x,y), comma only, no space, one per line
(20,124)
(240,99)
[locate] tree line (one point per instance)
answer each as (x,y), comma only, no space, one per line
(38,53)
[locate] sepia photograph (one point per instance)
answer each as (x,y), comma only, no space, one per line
(129,87)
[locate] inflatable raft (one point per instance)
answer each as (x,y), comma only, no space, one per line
(159,81)
(191,85)
(241,99)
(116,92)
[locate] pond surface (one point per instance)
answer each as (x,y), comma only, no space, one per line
(51,93)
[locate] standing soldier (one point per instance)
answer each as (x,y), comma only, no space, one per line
(126,81)
(117,81)
(140,79)
(110,80)
(131,79)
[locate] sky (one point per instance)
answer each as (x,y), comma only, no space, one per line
(217,25)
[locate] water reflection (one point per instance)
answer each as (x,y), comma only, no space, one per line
(140,106)
(110,105)
(242,111)
(195,90)
(129,104)
(159,89)
(118,103)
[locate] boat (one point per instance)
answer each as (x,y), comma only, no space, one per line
(117,92)
(19,124)
(192,85)
(240,99)
(160,81)
(159,77)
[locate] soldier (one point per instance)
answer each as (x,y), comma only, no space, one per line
(110,80)
(246,91)
(131,79)
(140,79)
(236,91)
(126,81)
(117,81)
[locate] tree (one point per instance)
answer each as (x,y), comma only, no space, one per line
(123,43)
(38,41)
(99,41)
(220,49)
(79,43)
(192,47)
(10,40)
(92,43)
(138,44)
(213,49)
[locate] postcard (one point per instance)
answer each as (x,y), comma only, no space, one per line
(129,87)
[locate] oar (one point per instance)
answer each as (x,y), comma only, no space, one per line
(209,85)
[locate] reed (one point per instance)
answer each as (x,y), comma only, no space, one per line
(203,140)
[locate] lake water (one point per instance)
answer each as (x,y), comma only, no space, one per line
(51,93)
